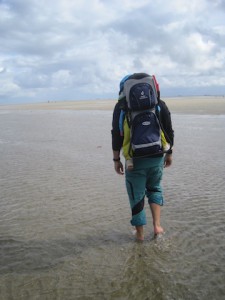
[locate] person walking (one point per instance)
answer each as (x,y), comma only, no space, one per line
(143,178)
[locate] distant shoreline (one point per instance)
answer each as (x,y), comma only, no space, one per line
(183,105)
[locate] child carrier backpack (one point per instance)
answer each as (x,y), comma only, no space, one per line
(143,135)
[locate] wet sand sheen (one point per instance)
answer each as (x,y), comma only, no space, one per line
(65,219)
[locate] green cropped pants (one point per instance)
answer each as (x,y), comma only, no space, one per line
(144,180)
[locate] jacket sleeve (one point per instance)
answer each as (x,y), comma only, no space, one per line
(117,139)
(166,122)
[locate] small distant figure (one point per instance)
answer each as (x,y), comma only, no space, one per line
(142,129)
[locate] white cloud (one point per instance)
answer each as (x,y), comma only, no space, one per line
(66,49)
(8,88)
(186,7)
(2,69)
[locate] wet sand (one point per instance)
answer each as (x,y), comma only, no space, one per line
(65,218)
(187,105)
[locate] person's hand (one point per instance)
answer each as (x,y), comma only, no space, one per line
(168,160)
(118,166)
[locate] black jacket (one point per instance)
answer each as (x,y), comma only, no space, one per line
(165,118)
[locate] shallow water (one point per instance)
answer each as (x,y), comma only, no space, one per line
(64,217)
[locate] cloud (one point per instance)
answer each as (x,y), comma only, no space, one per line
(63,49)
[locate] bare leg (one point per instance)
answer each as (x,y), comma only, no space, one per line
(156,209)
(140,233)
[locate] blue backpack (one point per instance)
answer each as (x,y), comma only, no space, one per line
(139,96)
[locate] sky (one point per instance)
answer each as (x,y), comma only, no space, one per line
(56,50)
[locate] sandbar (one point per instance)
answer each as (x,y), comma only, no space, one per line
(214,105)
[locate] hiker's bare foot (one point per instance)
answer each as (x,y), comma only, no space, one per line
(139,237)
(139,233)
(158,230)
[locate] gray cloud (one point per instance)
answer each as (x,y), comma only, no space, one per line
(66,50)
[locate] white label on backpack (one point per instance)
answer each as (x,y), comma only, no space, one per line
(146,123)
(143,96)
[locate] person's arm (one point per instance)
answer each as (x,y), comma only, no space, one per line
(118,166)
(117,141)
(168,159)
(165,118)
(166,121)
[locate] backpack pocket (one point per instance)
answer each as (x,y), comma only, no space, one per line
(142,97)
(145,134)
